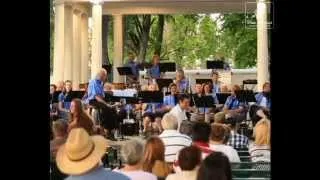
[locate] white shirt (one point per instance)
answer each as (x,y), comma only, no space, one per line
(174,142)
(137,175)
(179,114)
(229,151)
(184,175)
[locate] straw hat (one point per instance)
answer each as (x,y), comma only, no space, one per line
(81,152)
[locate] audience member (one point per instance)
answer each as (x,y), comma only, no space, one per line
(188,160)
(59,130)
(172,139)
(217,137)
(132,153)
(220,117)
(260,150)
(215,166)
(200,137)
(153,160)
(236,140)
(79,118)
(80,157)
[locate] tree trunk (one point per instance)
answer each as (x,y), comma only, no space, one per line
(105,30)
(146,23)
(159,37)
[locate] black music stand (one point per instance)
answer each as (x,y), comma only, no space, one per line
(245,96)
(205,102)
(249,82)
(202,81)
(151,96)
(167,67)
(164,83)
(216,64)
(222,97)
(125,71)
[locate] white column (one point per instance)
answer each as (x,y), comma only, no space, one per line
(96,44)
(84,48)
(118,47)
(68,42)
(58,50)
(76,61)
(262,44)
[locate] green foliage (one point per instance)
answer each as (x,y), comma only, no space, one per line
(237,42)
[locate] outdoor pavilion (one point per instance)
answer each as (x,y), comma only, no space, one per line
(71,53)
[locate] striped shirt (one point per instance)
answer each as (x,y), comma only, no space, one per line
(259,153)
(174,142)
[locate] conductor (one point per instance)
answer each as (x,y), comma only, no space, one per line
(95,98)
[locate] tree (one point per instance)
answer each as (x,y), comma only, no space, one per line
(237,42)
(105,33)
(159,37)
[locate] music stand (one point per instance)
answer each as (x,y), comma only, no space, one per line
(205,102)
(222,97)
(125,71)
(216,64)
(164,83)
(167,67)
(245,96)
(202,81)
(249,82)
(151,96)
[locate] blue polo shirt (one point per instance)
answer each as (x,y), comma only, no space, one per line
(134,68)
(155,71)
(232,103)
(98,174)
(95,88)
(216,88)
(66,102)
(183,85)
(169,100)
(259,97)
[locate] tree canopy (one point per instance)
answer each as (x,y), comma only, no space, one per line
(188,40)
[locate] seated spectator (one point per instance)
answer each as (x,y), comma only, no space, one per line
(215,166)
(79,118)
(172,139)
(260,150)
(186,128)
(153,160)
(200,137)
(132,153)
(189,159)
(236,140)
(220,117)
(80,157)
(59,130)
(217,137)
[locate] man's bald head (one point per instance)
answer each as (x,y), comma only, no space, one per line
(102,75)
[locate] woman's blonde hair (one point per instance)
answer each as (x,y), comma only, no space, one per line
(261,132)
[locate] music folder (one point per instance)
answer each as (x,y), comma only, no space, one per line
(164,83)
(167,67)
(245,96)
(151,96)
(125,71)
(222,97)
(216,64)
(204,102)
(202,81)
